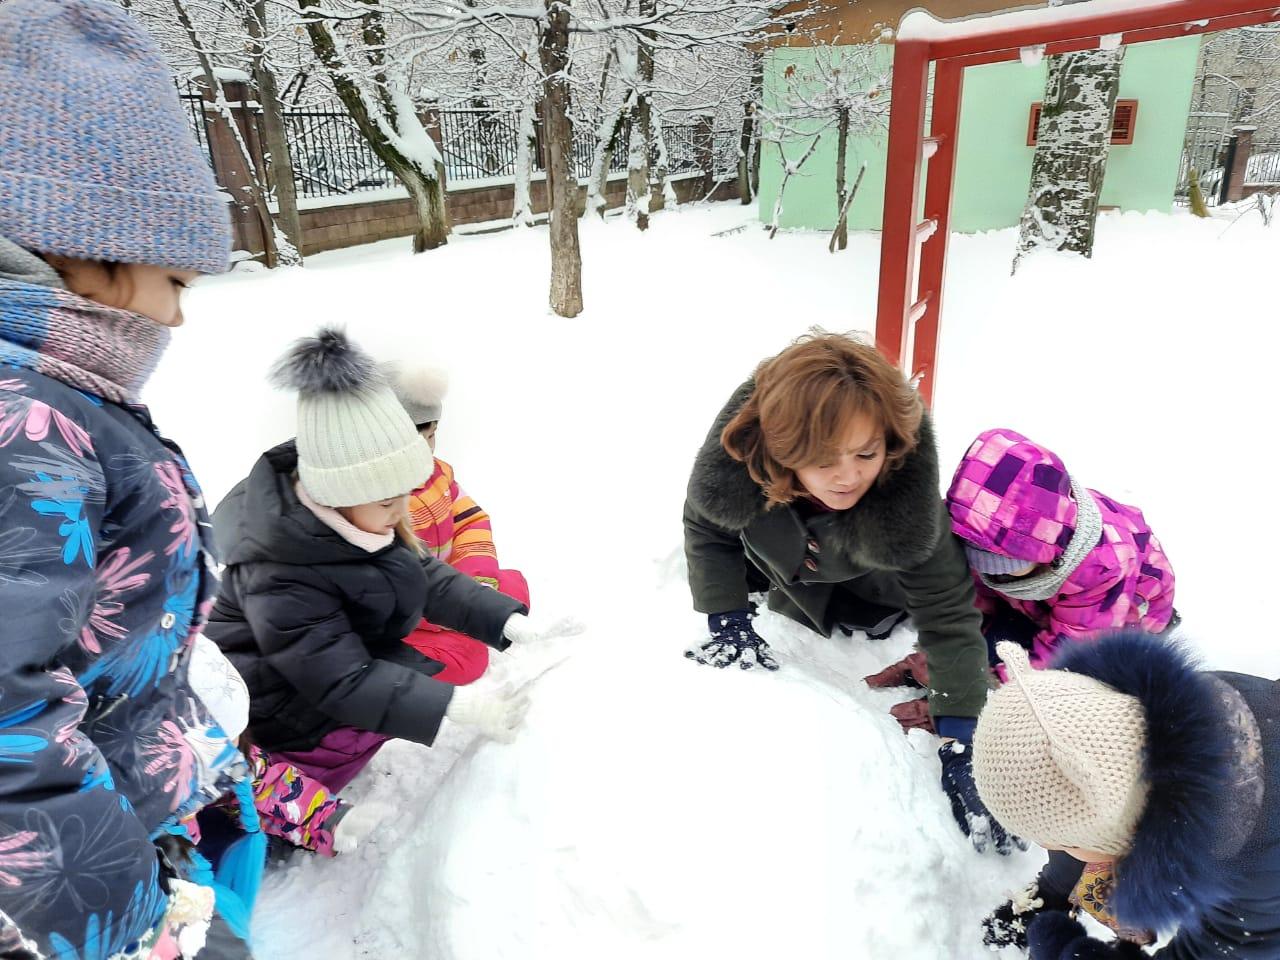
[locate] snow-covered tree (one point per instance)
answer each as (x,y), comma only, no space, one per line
(352,39)
(220,42)
(839,91)
(1239,77)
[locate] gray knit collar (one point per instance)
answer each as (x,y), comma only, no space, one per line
(24,266)
(1049,583)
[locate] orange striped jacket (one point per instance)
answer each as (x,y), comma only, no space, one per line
(453,527)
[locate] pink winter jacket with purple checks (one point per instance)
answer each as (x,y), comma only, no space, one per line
(1014,497)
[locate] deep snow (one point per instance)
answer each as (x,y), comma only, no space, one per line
(652,807)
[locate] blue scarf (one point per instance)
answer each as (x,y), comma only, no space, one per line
(101,350)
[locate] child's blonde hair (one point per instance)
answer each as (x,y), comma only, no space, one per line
(404,530)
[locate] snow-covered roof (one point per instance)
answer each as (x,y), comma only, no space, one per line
(1071,22)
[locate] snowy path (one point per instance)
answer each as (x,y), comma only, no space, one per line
(653,808)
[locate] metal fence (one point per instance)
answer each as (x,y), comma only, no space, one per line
(1203,150)
(193,103)
(1263,169)
(331,158)
(479,143)
(725,146)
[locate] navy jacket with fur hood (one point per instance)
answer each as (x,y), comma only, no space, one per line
(315,624)
(1206,855)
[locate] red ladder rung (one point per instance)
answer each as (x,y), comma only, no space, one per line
(926,230)
(918,308)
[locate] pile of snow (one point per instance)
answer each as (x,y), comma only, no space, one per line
(653,807)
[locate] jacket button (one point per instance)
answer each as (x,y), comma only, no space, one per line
(811,564)
(167,621)
(814,547)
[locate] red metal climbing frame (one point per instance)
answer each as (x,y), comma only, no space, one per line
(913,254)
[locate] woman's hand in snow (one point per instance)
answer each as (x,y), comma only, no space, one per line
(733,640)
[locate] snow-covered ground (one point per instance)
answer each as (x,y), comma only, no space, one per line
(653,808)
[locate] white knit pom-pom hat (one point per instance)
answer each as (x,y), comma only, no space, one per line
(356,444)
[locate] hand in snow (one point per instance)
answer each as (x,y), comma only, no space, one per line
(733,640)
(522,630)
(967,807)
(911,671)
(357,824)
(913,715)
(1006,925)
(492,705)
(1055,936)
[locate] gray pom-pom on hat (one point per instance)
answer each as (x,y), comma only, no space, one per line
(356,444)
(421,390)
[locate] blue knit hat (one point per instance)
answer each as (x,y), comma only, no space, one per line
(97,160)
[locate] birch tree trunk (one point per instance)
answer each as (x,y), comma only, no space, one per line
(1072,145)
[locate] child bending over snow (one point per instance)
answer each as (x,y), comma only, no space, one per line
(453,528)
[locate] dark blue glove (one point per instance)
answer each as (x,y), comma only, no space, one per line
(1007,624)
(733,640)
(1055,936)
(967,807)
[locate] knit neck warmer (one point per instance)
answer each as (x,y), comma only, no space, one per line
(348,531)
(1049,583)
(101,350)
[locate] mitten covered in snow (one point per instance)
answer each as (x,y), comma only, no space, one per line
(1056,936)
(733,640)
(492,705)
(357,824)
(1006,926)
(522,630)
(971,814)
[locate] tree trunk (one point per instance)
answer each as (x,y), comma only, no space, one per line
(607,139)
(566,259)
(281,160)
(842,160)
(749,145)
(526,146)
(271,254)
(1070,161)
(744,153)
(660,174)
(386,119)
(639,196)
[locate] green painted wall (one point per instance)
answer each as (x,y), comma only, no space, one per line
(994,164)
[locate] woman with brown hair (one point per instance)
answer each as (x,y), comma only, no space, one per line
(820,476)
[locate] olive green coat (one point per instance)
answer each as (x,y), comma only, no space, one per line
(894,548)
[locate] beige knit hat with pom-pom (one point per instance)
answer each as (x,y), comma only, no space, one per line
(420,389)
(1058,758)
